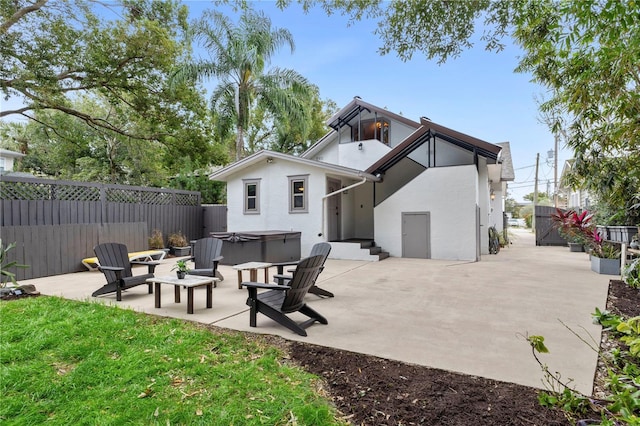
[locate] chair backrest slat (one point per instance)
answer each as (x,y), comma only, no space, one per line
(303,278)
(205,250)
(113,254)
(322,249)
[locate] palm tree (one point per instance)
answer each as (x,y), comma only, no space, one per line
(238,56)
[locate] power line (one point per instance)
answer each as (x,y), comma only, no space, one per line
(525,167)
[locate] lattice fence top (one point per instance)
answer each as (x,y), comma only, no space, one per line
(41,189)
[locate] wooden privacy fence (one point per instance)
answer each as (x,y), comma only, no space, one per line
(546,233)
(44,215)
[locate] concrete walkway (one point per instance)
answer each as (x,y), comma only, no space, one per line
(458,316)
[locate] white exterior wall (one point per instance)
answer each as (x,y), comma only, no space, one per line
(450,195)
(399,132)
(484,201)
(329,154)
(274,202)
(6,164)
(349,155)
(495,212)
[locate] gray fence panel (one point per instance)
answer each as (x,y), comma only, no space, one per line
(546,232)
(214,219)
(57,223)
(59,249)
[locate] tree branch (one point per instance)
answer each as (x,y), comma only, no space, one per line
(19,14)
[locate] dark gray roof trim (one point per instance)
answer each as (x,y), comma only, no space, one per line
(423,134)
(357,105)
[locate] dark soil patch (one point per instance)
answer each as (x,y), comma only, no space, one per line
(373,391)
(623,300)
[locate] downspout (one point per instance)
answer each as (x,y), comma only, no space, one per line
(324,201)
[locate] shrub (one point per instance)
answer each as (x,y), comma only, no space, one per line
(178,239)
(155,240)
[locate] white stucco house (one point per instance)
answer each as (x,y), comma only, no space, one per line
(577,199)
(376,184)
(7,158)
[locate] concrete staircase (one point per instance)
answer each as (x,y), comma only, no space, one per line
(357,249)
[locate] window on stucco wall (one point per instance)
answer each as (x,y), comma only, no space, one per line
(298,189)
(252,196)
(371,129)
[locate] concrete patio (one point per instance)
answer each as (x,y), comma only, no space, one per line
(458,316)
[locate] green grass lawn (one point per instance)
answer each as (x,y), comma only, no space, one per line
(70,363)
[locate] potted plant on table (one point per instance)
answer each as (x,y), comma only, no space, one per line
(181,268)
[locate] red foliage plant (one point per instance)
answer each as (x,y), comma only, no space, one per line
(578,228)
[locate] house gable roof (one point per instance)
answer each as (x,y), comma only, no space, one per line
(357,105)
(348,113)
(10,154)
(427,130)
(507,173)
(264,155)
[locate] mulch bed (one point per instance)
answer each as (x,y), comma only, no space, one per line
(373,391)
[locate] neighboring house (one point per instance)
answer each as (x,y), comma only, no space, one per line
(418,189)
(7,158)
(577,199)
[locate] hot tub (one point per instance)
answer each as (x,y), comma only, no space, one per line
(259,246)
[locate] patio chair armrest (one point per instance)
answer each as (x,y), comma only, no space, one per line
(280,265)
(280,278)
(117,269)
(265,286)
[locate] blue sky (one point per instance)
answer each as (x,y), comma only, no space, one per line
(477,93)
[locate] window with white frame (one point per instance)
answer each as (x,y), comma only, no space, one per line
(251,196)
(298,189)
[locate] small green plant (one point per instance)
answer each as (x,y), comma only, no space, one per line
(631,331)
(606,319)
(177,239)
(155,240)
(180,266)
(631,273)
(622,403)
(5,265)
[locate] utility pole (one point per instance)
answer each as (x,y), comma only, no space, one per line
(535,195)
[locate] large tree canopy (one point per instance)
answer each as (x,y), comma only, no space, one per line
(93,80)
(239,56)
(53,51)
(585,53)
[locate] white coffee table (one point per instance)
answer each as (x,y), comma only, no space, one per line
(190,282)
(252,267)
